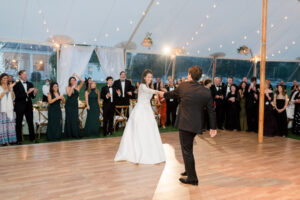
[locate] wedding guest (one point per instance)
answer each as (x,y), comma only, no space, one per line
(24,93)
(45,90)
(218,93)
(110,96)
(252,105)
(294,88)
(270,85)
(87,83)
(270,124)
(281,101)
(162,106)
(207,84)
(233,109)
(228,86)
(245,79)
(296,121)
(243,112)
(7,118)
(126,89)
(72,129)
(183,79)
(92,99)
(179,81)
(10,79)
(136,90)
(171,106)
(54,128)
(157,84)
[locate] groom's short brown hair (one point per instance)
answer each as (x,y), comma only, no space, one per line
(195,72)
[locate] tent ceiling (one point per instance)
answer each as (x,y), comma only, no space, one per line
(226,26)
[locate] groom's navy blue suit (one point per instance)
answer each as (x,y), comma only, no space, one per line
(193,98)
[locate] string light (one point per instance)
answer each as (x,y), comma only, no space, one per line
(187,44)
(117,29)
(286,17)
(232,42)
(144,13)
(214,6)
(201,25)
(196,32)
(188,53)
(40,12)
(272,25)
(279,52)
(95,39)
(209,49)
(273,55)
(47,30)
(257,31)
(245,37)
(293,42)
(44,22)
(207,16)
(221,46)
(286,47)
(198,51)
(192,38)
(131,22)
(157,3)
(106,35)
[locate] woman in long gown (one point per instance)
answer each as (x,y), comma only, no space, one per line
(281,101)
(92,99)
(296,121)
(141,142)
(54,128)
(243,113)
(7,117)
(270,124)
(233,107)
(72,129)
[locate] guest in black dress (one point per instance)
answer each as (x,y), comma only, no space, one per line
(72,129)
(54,128)
(281,102)
(243,113)
(270,123)
(252,105)
(87,83)
(296,121)
(233,109)
(207,83)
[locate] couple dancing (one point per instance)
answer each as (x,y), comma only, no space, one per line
(141,142)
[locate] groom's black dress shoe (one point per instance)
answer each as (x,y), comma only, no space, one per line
(183,174)
(185,181)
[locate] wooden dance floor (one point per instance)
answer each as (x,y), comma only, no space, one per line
(231,166)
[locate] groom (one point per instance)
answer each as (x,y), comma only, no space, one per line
(193,97)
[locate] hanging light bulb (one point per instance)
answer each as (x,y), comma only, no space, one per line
(257,31)
(214,6)
(279,52)
(207,16)
(209,49)
(272,25)
(273,55)
(131,22)
(286,47)
(40,12)
(95,39)
(157,3)
(44,22)
(106,35)
(196,32)
(285,17)
(47,30)
(198,51)
(201,25)
(187,44)
(293,42)
(232,42)
(192,38)
(245,37)
(221,46)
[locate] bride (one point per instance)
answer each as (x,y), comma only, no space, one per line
(141,142)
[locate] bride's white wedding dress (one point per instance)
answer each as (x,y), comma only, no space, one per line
(141,142)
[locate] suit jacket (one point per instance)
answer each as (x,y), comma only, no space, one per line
(156,85)
(22,100)
(220,91)
(174,100)
(193,98)
(107,101)
(251,102)
(128,88)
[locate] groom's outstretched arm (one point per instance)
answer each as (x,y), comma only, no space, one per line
(172,94)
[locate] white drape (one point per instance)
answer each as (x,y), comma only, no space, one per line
(73,59)
(112,61)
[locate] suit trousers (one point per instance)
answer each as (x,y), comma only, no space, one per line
(186,141)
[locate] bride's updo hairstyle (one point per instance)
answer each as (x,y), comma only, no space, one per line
(145,73)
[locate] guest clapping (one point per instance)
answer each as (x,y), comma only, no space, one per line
(7,118)
(125,87)
(72,129)
(54,128)
(109,95)
(24,93)
(233,109)
(92,99)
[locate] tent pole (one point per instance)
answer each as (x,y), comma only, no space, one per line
(173,69)
(262,72)
(214,68)
(139,24)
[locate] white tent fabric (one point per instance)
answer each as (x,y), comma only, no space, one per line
(111,61)
(73,59)
(201,27)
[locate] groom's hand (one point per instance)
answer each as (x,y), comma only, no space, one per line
(213,133)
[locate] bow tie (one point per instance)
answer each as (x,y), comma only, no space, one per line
(109,87)
(122,81)
(24,82)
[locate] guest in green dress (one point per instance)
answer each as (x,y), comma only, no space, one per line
(92,99)
(243,114)
(72,129)
(54,128)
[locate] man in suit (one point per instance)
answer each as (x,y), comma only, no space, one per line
(171,105)
(109,96)
(252,100)
(126,89)
(218,93)
(24,93)
(193,97)
(157,84)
